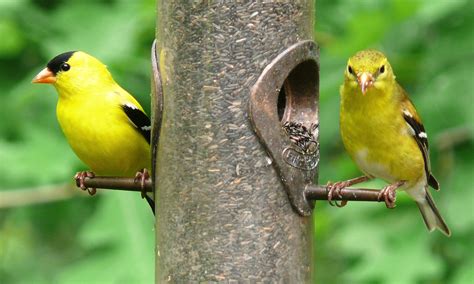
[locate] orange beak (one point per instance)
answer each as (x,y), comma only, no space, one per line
(45,77)
(365,81)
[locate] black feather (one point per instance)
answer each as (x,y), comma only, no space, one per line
(139,119)
(422,142)
(433,182)
(54,64)
(418,128)
(151,203)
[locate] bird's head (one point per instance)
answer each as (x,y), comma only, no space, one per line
(368,69)
(74,70)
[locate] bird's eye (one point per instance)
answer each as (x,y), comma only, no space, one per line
(65,67)
(349,69)
(382,69)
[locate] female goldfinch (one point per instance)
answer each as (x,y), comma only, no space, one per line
(384,135)
(105,126)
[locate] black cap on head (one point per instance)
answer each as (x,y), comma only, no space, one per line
(55,63)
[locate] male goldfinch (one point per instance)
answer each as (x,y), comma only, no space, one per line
(384,135)
(105,126)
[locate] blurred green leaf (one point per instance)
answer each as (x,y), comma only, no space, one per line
(121,243)
(12,41)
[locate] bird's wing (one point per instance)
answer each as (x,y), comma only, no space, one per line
(418,132)
(138,119)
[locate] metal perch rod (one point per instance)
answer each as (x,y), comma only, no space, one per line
(312,192)
(320,192)
(116,183)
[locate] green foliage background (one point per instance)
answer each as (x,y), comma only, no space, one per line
(110,238)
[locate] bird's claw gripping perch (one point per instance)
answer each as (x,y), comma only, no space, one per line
(389,194)
(142,176)
(334,189)
(80,177)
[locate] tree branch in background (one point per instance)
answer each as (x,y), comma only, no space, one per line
(446,142)
(37,195)
(452,137)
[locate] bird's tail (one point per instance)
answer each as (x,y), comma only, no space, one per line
(151,202)
(431,215)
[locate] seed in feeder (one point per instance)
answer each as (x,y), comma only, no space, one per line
(303,137)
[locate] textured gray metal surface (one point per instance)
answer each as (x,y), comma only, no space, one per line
(222,212)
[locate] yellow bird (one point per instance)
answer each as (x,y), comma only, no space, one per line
(105,126)
(384,135)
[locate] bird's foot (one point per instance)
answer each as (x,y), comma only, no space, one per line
(334,189)
(389,195)
(80,177)
(142,176)
(337,187)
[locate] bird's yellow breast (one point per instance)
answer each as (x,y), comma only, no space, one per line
(376,136)
(101,136)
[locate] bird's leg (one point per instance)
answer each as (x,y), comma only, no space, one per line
(334,189)
(142,176)
(80,177)
(388,193)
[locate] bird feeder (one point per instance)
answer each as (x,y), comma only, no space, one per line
(222,210)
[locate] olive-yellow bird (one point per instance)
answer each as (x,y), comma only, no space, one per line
(105,126)
(384,135)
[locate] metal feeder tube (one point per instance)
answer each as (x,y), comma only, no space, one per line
(222,211)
